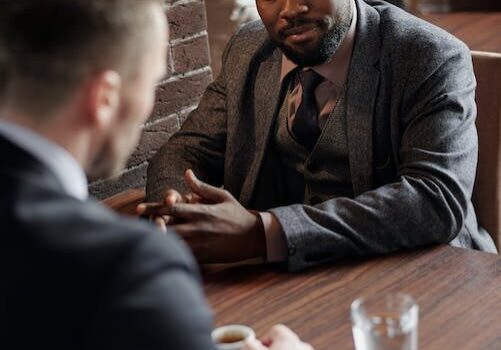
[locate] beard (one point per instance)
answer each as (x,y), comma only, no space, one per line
(326,48)
(116,149)
(327,44)
(109,162)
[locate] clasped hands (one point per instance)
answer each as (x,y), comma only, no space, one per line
(213,223)
(219,230)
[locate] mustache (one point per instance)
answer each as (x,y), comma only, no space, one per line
(293,25)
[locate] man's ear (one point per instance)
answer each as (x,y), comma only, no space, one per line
(103,98)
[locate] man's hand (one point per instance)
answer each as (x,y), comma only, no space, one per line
(278,338)
(158,211)
(213,223)
(217,228)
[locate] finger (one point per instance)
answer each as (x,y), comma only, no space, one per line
(280,331)
(161,224)
(253,344)
(169,220)
(266,341)
(190,211)
(194,198)
(172,197)
(203,189)
(155,209)
(141,209)
(308,346)
(178,210)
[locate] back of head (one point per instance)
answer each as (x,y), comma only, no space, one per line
(49,47)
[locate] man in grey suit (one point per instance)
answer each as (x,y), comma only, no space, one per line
(338,128)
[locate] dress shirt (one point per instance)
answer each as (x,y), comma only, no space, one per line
(59,161)
(335,72)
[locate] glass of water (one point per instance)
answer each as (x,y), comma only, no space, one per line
(385,322)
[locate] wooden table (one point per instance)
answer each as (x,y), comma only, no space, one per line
(458,292)
(479,30)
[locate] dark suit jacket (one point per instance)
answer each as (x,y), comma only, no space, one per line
(411,137)
(76,276)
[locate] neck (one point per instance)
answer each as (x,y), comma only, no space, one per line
(59,128)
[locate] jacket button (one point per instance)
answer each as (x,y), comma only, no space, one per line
(292,250)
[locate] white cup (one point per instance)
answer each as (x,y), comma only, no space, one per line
(232,331)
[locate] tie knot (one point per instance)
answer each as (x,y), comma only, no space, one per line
(309,80)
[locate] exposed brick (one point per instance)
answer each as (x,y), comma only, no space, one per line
(152,138)
(180,93)
(191,55)
(186,19)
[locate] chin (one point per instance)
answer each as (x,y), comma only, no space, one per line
(305,58)
(316,51)
(106,166)
(306,55)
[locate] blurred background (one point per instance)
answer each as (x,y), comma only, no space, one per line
(223,18)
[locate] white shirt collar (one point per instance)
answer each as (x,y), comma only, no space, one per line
(64,166)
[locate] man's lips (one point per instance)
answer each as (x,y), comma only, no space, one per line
(301,33)
(299,29)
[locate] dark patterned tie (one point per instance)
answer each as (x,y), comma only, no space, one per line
(305,125)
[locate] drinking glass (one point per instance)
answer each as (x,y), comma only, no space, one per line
(385,322)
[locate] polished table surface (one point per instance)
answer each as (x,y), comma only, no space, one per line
(458,292)
(481,31)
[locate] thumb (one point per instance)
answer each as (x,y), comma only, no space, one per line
(203,189)
(253,344)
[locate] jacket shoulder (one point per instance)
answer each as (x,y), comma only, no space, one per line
(406,33)
(248,40)
(253,31)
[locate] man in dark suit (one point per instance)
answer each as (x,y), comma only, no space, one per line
(347,127)
(79,81)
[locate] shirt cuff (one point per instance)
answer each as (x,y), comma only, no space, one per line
(276,245)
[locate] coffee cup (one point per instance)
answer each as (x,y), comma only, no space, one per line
(232,337)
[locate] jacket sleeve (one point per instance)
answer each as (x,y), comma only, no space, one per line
(199,145)
(154,302)
(428,201)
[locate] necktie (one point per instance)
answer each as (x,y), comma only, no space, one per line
(305,125)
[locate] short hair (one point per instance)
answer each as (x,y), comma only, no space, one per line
(49,47)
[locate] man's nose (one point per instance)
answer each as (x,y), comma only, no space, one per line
(294,8)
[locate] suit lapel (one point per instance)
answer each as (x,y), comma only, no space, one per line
(267,96)
(362,89)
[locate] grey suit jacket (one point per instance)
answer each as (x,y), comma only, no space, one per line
(411,136)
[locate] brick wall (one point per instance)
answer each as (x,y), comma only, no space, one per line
(176,97)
